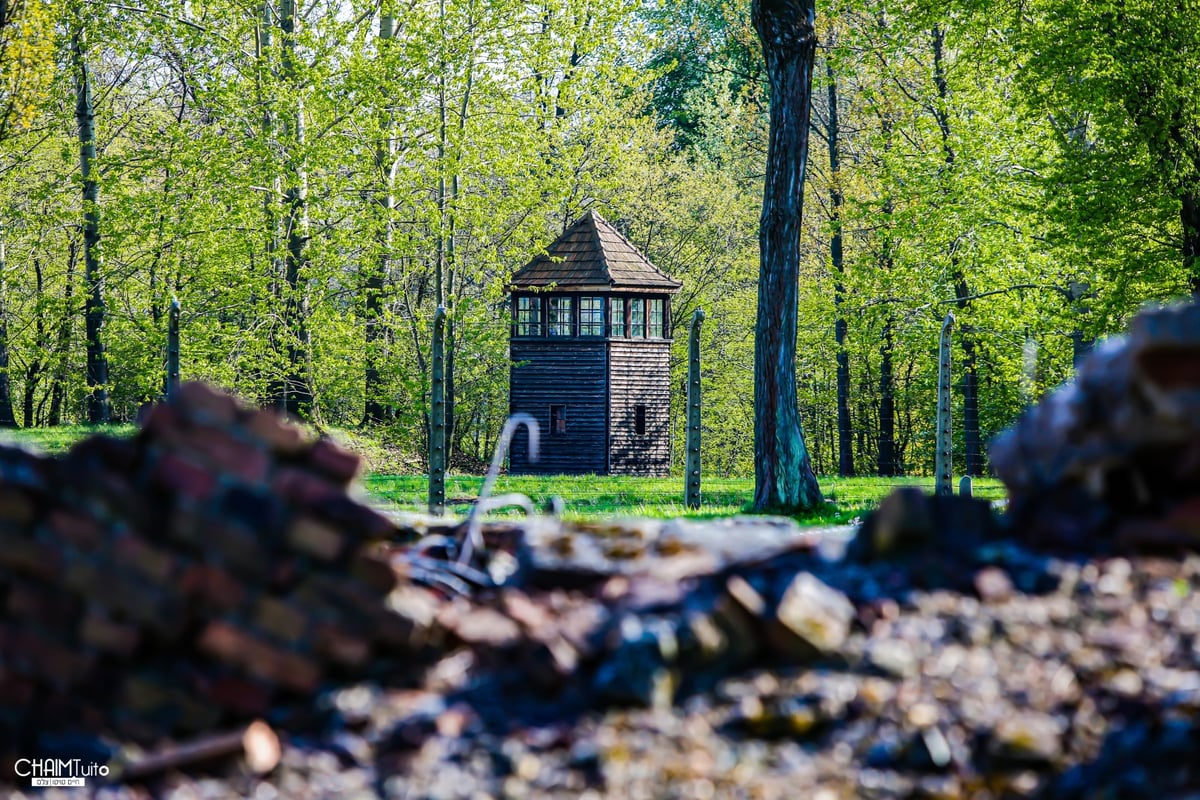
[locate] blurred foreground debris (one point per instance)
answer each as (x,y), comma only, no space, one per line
(1111,460)
(215,568)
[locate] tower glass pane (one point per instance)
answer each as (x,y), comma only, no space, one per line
(591,316)
(561,322)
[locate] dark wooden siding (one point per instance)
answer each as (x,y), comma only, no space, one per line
(639,374)
(564,372)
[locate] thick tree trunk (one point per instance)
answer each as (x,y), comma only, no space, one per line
(783,473)
(295,197)
(1189,215)
(98,409)
(836,199)
(373,286)
(7,420)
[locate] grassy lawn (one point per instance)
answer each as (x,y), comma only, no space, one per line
(586,496)
(594,495)
(61,437)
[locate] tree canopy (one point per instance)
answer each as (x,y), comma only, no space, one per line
(312,180)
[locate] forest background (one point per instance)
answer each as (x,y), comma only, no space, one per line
(311,179)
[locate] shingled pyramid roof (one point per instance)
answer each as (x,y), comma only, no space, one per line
(592,255)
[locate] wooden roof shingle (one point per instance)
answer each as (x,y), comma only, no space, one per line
(592,255)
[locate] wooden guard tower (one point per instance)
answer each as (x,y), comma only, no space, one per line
(590,351)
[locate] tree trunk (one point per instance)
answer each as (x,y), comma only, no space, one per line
(98,409)
(944,457)
(37,365)
(972,446)
(886,452)
(62,348)
(783,474)
(7,420)
(836,200)
(295,197)
(385,152)
(1189,214)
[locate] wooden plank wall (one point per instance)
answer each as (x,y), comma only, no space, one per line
(639,373)
(560,372)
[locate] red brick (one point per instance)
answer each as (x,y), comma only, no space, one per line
(237,546)
(15,506)
(233,646)
(155,563)
(341,646)
(161,420)
(276,433)
(212,585)
(178,474)
(204,403)
(281,619)
(239,458)
(185,525)
(28,600)
(129,594)
(334,461)
(107,635)
(299,486)
(29,556)
(306,535)
(83,532)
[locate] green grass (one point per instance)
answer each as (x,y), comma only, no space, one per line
(586,496)
(589,496)
(60,438)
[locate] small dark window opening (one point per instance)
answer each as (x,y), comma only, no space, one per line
(558,419)
(639,420)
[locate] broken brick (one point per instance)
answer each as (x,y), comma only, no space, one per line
(334,461)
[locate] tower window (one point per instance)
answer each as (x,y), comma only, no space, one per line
(618,316)
(561,322)
(591,316)
(639,419)
(637,318)
(529,316)
(656,317)
(558,420)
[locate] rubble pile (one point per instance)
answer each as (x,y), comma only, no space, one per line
(1112,459)
(189,575)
